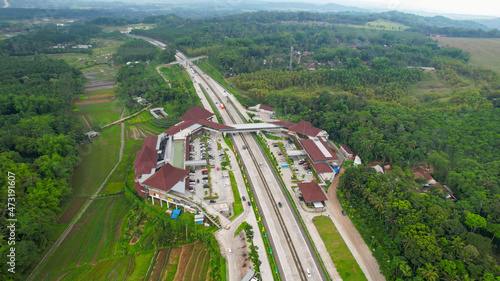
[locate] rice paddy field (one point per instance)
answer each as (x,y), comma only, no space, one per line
(91,250)
(189,262)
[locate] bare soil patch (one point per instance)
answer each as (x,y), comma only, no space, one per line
(160,261)
(187,251)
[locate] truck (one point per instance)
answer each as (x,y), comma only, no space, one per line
(285,165)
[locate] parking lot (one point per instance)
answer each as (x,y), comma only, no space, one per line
(219,178)
(302,170)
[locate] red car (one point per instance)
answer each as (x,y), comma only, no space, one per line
(217,168)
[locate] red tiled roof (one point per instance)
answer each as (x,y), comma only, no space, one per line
(322,167)
(179,127)
(138,187)
(145,160)
(266,107)
(283,123)
(305,128)
(420,173)
(312,192)
(166,177)
(150,142)
(316,153)
(195,113)
(346,149)
(213,124)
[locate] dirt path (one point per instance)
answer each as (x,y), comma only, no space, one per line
(79,215)
(86,122)
(164,78)
(351,236)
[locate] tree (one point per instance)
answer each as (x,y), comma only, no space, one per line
(475,221)
(428,272)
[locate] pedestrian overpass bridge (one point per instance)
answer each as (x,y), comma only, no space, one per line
(251,127)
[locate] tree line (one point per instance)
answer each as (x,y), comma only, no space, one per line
(38,144)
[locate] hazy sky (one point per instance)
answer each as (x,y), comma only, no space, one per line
(469,7)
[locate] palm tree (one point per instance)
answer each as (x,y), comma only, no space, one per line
(428,272)
(457,245)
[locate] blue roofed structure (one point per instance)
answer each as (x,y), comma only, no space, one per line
(175,214)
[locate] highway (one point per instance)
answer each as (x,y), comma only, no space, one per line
(290,246)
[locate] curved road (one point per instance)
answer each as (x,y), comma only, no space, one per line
(70,227)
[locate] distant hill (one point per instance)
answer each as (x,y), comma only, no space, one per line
(439,21)
(491,23)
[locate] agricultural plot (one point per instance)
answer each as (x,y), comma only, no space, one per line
(101,113)
(99,96)
(485,51)
(94,238)
(97,159)
(189,262)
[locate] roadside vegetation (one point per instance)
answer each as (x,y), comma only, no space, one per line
(341,256)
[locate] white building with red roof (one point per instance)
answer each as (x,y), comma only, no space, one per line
(312,194)
(262,108)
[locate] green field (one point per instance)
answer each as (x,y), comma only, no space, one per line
(346,265)
(485,51)
(117,179)
(100,113)
(386,25)
(91,246)
(97,159)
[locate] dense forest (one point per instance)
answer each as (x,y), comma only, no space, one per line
(423,236)
(37,144)
(43,39)
(135,50)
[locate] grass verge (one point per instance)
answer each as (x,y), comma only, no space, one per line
(342,257)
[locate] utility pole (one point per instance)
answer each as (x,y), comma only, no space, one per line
(291,55)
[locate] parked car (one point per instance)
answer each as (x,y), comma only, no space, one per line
(205,186)
(249,204)
(205,178)
(279,204)
(212,201)
(343,212)
(243,198)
